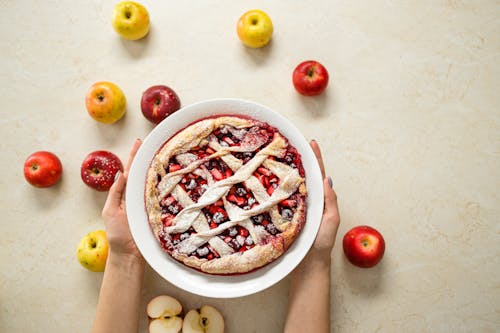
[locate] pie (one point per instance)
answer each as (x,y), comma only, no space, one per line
(226,195)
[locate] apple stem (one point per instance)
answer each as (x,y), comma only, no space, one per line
(310,72)
(34,167)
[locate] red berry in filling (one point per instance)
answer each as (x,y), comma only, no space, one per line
(243,232)
(240,201)
(264,171)
(168,201)
(217,209)
(213,225)
(228,140)
(210,151)
(288,203)
(217,174)
(270,190)
(174,167)
(167,220)
(259,177)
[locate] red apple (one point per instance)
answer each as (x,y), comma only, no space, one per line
(310,78)
(99,169)
(158,102)
(42,169)
(364,246)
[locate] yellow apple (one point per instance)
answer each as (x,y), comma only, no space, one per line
(255,28)
(205,320)
(164,312)
(105,102)
(130,20)
(92,251)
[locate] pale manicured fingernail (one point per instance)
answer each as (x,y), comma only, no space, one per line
(117,175)
(330,182)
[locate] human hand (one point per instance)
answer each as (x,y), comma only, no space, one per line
(325,240)
(115,217)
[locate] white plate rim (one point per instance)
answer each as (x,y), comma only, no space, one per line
(192,280)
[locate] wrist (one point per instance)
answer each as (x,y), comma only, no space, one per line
(125,261)
(315,262)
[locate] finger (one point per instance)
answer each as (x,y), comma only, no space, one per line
(317,153)
(115,193)
(331,205)
(131,156)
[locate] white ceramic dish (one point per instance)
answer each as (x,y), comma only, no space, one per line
(190,279)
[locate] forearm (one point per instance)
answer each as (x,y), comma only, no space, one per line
(309,296)
(119,298)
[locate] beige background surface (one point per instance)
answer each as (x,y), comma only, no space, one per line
(409,125)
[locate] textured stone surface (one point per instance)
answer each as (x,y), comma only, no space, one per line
(409,127)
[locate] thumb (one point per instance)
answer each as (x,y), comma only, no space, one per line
(116,192)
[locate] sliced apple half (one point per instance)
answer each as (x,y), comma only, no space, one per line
(164,311)
(206,320)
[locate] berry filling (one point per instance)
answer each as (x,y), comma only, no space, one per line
(237,237)
(269,180)
(241,196)
(218,169)
(292,158)
(194,185)
(170,206)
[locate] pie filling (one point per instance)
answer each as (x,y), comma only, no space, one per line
(224,192)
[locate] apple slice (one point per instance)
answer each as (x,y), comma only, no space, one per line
(206,320)
(164,311)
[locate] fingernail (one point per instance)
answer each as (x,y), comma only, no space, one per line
(330,182)
(117,175)
(313,140)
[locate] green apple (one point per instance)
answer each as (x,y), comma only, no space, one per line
(92,251)
(130,20)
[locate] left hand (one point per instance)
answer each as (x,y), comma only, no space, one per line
(325,240)
(115,217)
